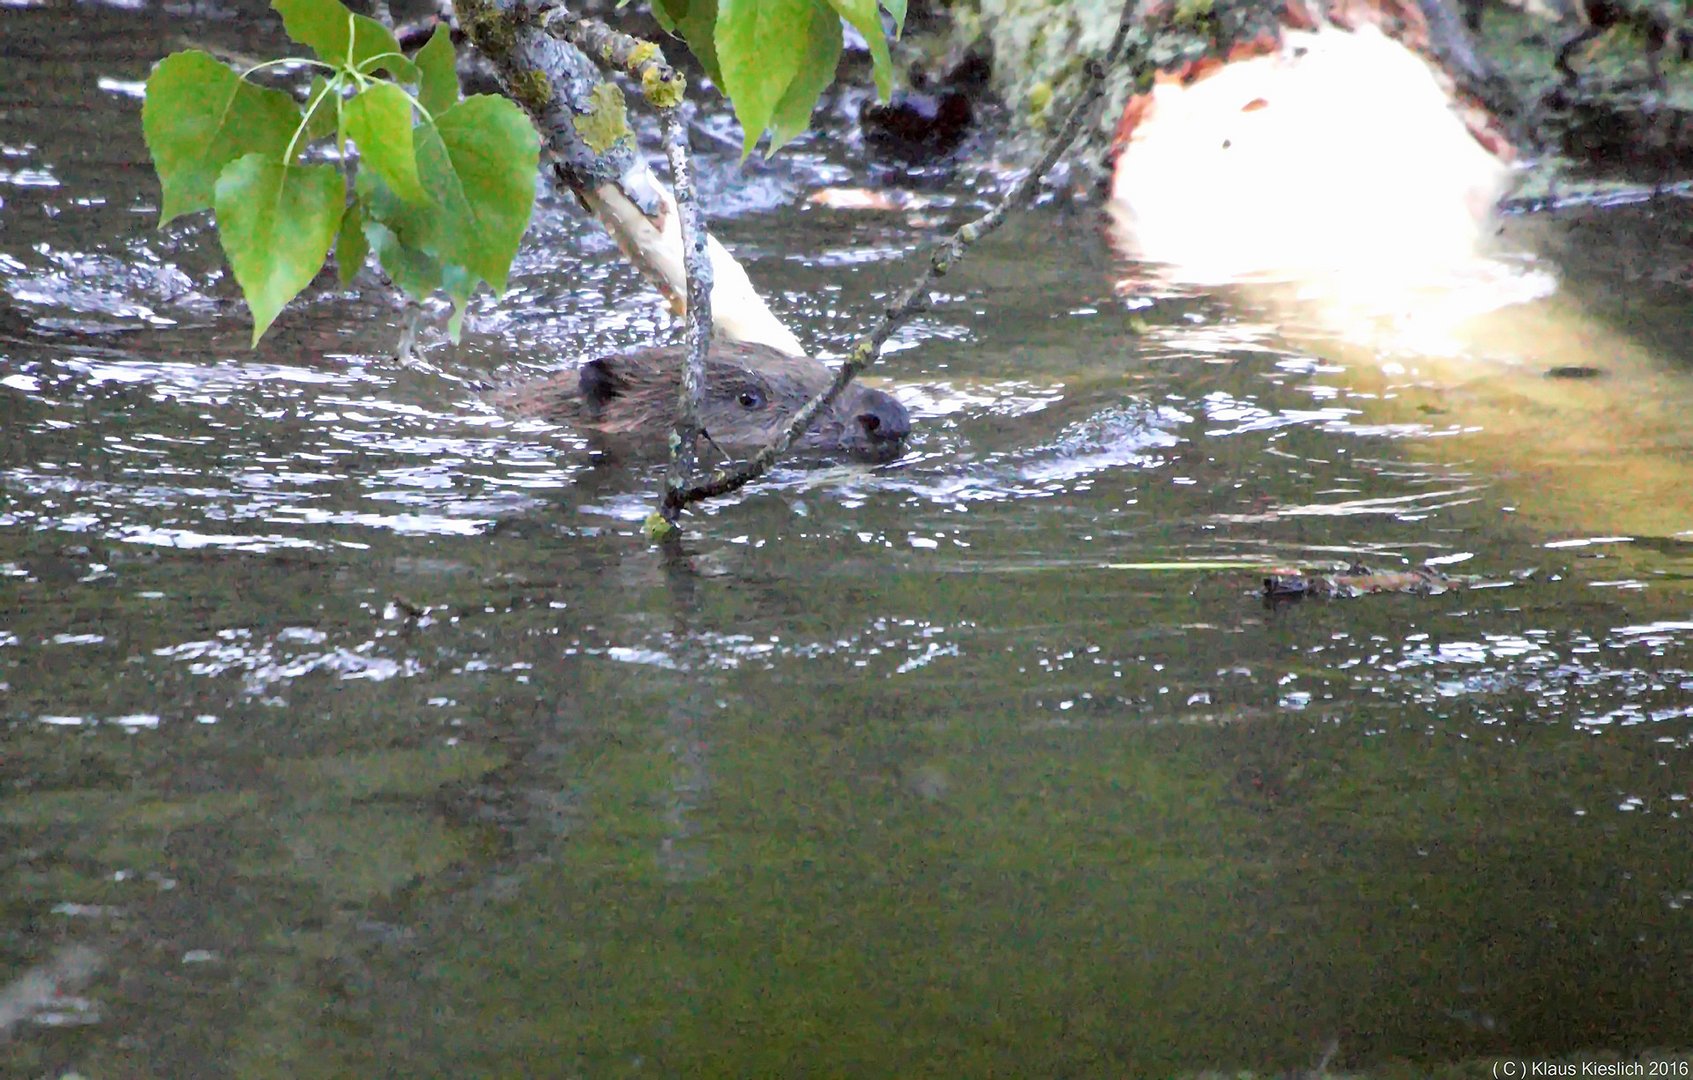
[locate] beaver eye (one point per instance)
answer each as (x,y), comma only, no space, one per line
(751,398)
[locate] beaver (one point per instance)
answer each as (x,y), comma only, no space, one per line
(751,393)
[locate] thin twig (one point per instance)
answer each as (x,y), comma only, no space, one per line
(411,318)
(915,298)
(697,266)
(664,87)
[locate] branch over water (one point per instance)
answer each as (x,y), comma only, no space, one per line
(916,298)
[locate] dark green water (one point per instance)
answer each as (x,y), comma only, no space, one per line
(895,772)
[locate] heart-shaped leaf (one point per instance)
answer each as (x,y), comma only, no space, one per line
(415,272)
(478,165)
(352,247)
(341,38)
(479,161)
(757,51)
(862,14)
(380,121)
(822,52)
(276,224)
(437,66)
(198,117)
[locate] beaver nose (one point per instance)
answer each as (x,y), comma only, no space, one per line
(883,418)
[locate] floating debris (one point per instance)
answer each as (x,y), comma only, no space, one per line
(1357,580)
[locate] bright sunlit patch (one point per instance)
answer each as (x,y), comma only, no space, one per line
(135,88)
(1336,166)
(1338,152)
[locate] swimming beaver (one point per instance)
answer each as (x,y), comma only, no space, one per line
(751,393)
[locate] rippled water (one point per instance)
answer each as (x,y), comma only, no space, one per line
(351,728)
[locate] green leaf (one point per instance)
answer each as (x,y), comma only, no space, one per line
(198,117)
(276,223)
(896,8)
(413,223)
(380,121)
(696,21)
(458,284)
(341,38)
(758,49)
(438,71)
(792,114)
(352,247)
(478,163)
(479,159)
(862,15)
(402,234)
(414,272)
(323,117)
(419,274)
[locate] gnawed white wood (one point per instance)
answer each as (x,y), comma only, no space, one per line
(654,244)
(613,181)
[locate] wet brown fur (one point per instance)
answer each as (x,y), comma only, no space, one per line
(751,393)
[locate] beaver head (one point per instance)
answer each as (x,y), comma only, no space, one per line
(751,394)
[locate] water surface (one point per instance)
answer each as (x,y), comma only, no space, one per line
(351,729)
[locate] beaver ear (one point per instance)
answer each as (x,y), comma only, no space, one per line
(599,382)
